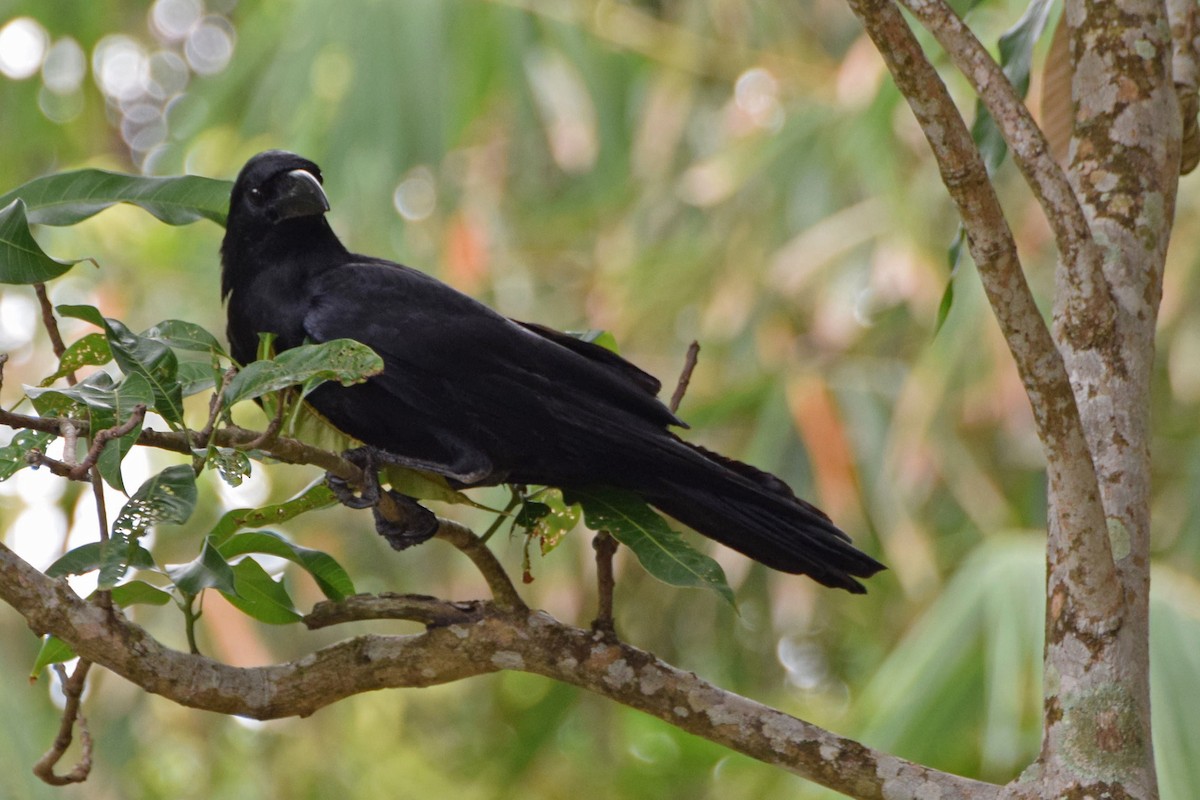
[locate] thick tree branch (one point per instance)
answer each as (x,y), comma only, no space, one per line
(1096,603)
(465,640)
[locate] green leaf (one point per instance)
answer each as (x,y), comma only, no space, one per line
(661,550)
(87,557)
(563,517)
(150,358)
(207,570)
(169,496)
(195,377)
(132,391)
(342,360)
(12,455)
(597,336)
(424,486)
(316,496)
(259,595)
(90,351)
(183,335)
(21,259)
(108,404)
(232,465)
(332,579)
(139,592)
(70,197)
(54,651)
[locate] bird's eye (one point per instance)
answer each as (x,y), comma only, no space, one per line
(256,195)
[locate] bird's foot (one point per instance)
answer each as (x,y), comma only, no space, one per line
(367,496)
(403,521)
(398,518)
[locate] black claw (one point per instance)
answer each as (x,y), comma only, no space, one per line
(366,459)
(406,522)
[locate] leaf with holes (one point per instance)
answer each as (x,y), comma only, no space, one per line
(343,360)
(90,351)
(183,335)
(169,496)
(87,557)
(661,550)
(12,455)
(150,358)
(315,497)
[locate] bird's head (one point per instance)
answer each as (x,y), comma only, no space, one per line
(275,186)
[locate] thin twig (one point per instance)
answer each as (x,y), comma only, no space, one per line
(606,547)
(214,410)
(50,322)
(484,560)
(67,468)
(268,437)
(685,377)
(73,691)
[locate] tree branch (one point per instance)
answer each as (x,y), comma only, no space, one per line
(465,640)
(1091,307)
(1096,602)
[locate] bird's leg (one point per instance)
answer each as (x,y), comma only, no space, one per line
(398,518)
(605,546)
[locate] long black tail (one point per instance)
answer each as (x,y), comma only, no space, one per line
(754,513)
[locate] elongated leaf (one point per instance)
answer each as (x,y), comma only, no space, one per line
(87,557)
(259,595)
(205,571)
(70,197)
(424,486)
(332,579)
(139,593)
(90,351)
(21,259)
(183,335)
(195,377)
(12,455)
(169,496)
(316,496)
(661,550)
(342,360)
(54,651)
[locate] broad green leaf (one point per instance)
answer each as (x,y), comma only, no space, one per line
(70,197)
(87,557)
(130,392)
(109,404)
(21,259)
(195,377)
(332,579)
(342,360)
(139,592)
(316,496)
(661,550)
(150,358)
(183,335)
(260,596)
(53,651)
(169,496)
(424,486)
(12,455)
(205,571)
(90,351)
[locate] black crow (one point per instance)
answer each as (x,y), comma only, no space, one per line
(481,399)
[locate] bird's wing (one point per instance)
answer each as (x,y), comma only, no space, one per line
(461,383)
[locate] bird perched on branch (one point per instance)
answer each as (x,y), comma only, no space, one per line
(481,399)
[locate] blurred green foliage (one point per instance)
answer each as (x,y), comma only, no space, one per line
(735,171)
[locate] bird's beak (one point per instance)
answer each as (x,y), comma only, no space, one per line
(300,196)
